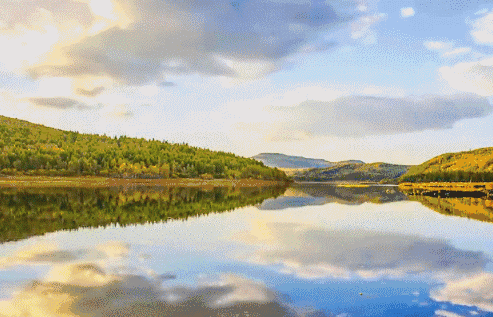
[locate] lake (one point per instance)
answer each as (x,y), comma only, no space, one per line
(307,250)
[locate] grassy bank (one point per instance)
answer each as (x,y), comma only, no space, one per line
(100,182)
(445,189)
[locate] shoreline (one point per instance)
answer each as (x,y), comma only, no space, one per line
(95,181)
(463,186)
(453,189)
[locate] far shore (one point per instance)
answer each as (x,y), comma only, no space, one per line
(460,186)
(456,189)
(95,181)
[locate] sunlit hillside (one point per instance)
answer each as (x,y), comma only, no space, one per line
(32,149)
(476,165)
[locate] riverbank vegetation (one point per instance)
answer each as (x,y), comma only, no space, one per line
(32,149)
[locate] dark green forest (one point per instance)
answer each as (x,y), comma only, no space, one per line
(31,149)
(35,211)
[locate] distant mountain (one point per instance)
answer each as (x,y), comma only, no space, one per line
(374,172)
(475,165)
(288,161)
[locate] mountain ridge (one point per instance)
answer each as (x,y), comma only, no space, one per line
(280,160)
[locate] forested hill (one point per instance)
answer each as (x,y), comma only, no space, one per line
(32,149)
(475,166)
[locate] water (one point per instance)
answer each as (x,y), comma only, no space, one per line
(310,250)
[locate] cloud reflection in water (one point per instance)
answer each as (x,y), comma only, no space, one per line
(74,287)
(310,252)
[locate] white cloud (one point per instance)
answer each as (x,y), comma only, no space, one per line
(473,291)
(438,46)
(482,32)
(457,51)
(475,77)
(54,87)
(361,28)
(407,12)
(118,112)
(445,313)
(149,90)
(483,11)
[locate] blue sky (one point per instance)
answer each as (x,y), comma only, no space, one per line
(392,80)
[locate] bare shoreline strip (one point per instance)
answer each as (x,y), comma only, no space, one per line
(91,181)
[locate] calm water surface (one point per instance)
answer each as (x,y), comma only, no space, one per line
(310,250)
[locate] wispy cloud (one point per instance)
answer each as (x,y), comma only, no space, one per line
(482,31)
(90,93)
(457,51)
(59,103)
(438,45)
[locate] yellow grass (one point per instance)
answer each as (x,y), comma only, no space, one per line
(353,185)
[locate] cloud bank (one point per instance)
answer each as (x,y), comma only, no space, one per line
(310,252)
(127,41)
(358,116)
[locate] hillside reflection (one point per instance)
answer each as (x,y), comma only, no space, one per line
(304,194)
(468,207)
(35,211)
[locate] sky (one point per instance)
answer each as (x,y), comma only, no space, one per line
(397,81)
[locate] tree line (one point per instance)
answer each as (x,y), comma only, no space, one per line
(31,149)
(449,176)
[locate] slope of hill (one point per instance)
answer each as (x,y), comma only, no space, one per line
(32,149)
(354,172)
(475,165)
(288,161)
